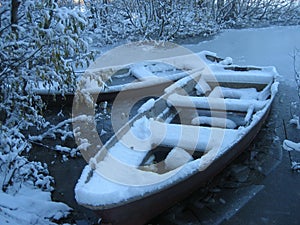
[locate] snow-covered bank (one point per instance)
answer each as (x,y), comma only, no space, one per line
(30,206)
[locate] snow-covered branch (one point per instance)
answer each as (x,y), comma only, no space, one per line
(39,41)
(292,146)
(296,63)
(62,131)
(294,107)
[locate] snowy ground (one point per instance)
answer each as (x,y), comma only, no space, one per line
(262,47)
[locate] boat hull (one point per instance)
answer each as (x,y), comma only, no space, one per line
(140,211)
(54,100)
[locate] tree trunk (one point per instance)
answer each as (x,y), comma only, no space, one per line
(14,13)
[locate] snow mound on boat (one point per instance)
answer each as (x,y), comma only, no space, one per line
(176,158)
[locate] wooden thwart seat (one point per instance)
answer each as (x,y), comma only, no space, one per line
(190,137)
(238,105)
(214,122)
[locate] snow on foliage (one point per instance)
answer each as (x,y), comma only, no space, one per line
(289,145)
(39,41)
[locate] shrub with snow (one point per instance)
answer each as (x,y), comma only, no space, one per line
(39,41)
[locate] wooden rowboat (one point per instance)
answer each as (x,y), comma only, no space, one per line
(105,83)
(176,143)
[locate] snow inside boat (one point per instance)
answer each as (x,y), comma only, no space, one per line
(177,142)
(105,83)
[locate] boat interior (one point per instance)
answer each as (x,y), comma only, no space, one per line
(140,71)
(201,107)
(226,106)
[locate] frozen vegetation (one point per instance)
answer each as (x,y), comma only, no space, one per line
(50,42)
(38,41)
(289,145)
(174,19)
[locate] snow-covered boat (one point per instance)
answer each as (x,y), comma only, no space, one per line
(151,76)
(177,142)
